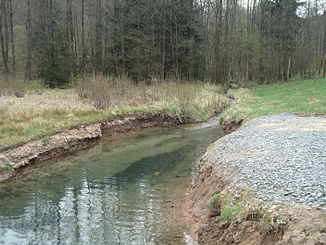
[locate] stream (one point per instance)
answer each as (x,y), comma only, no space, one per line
(130,190)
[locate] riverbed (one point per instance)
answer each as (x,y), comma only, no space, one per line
(127,191)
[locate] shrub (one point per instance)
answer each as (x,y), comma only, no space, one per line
(189,98)
(12,87)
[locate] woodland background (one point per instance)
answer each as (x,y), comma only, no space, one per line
(218,41)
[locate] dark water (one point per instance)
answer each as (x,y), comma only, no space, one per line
(128,191)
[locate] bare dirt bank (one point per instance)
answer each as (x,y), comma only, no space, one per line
(257,223)
(227,211)
(14,159)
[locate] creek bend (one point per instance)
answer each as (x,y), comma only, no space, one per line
(127,191)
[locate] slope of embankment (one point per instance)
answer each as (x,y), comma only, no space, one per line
(46,123)
(264,184)
(13,159)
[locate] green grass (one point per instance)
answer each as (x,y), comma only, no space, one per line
(213,201)
(22,126)
(300,97)
(44,112)
(231,205)
(6,167)
(228,213)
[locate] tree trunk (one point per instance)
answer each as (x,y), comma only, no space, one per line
(11,13)
(28,67)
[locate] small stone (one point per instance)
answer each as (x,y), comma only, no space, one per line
(237,196)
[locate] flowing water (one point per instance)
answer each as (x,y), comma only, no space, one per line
(127,191)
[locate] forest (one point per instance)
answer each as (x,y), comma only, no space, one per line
(217,41)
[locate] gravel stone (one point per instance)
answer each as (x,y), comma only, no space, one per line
(281,157)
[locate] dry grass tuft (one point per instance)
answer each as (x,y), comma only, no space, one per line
(107,92)
(12,87)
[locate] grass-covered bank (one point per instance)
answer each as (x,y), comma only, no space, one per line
(42,112)
(33,112)
(306,97)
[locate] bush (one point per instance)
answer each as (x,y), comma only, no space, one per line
(189,98)
(108,92)
(12,87)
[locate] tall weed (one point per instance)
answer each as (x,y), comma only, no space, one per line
(107,92)
(12,87)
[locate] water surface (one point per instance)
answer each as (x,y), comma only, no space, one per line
(127,191)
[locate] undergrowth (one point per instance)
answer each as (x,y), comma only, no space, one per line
(109,92)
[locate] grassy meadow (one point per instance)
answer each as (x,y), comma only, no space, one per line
(32,111)
(307,97)
(37,111)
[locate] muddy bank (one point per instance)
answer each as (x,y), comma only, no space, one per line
(223,204)
(14,159)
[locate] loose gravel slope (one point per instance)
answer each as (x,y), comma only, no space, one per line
(281,157)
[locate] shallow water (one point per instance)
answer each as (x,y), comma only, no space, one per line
(127,191)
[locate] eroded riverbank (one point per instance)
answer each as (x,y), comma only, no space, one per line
(264,184)
(13,159)
(126,191)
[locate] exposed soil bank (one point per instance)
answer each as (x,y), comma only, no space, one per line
(257,223)
(226,211)
(71,141)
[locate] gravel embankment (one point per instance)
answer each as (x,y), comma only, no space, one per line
(281,157)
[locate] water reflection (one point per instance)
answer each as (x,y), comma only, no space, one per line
(115,193)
